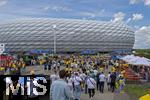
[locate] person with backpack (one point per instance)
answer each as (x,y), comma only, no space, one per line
(91,84)
(77,86)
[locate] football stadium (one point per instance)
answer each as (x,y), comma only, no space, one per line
(65,35)
(74,50)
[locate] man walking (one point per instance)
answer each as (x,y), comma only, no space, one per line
(102,81)
(97,80)
(77,86)
(113,81)
(59,89)
(54,77)
(108,81)
(91,84)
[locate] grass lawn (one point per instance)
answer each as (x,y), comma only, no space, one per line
(137,91)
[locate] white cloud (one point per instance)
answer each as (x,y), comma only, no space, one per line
(142,37)
(118,17)
(144,29)
(134,1)
(94,14)
(137,17)
(88,14)
(3,2)
(136,27)
(128,20)
(46,8)
(57,8)
(147,2)
(9,17)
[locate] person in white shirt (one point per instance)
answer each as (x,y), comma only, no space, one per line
(77,86)
(82,76)
(108,80)
(91,84)
(95,72)
(75,65)
(70,84)
(102,81)
(54,77)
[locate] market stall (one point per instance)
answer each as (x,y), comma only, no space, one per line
(139,67)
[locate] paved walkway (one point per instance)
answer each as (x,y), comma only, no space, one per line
(107,95)
(122,96)
(98,96)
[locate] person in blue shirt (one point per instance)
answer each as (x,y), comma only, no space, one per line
(59,89)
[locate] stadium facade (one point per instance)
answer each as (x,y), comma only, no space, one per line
(71,35)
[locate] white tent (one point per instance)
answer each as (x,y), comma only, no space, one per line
(136,60)
(128,58)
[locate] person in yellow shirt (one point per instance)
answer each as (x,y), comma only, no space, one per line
(1,68)
(113,69)
(67,63)
(70,69)
(101,69)
(40,62)
(82,62)
(93,63)
(123,72)
(66,69)
(117,86)
(23,69)
(126,65)
(121,83)
(14,65)
(10,64)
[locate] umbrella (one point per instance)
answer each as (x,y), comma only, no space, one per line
(145,97)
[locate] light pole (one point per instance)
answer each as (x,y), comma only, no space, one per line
(54,29)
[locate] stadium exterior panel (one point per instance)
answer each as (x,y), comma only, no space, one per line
(71,35)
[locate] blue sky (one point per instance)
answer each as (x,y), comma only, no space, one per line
(135,13)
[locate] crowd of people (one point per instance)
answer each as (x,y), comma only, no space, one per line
(85,74)
(72,75)
(14,67)
(143,71)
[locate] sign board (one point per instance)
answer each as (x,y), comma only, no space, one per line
(2,48)
(40,51)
